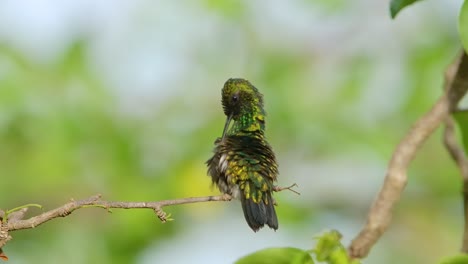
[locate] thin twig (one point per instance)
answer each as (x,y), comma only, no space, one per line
(458,155)
(456,152)
(380,213)
(16,221)
(95,201)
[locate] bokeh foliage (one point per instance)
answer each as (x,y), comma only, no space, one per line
(65,134)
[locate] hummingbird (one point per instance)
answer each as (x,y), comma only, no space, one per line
(244,164)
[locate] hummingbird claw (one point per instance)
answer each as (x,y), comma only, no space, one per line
(227,197)
(290,188)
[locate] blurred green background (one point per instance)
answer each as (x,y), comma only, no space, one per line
(122,98)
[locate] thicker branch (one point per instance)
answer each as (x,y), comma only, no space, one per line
(380,213)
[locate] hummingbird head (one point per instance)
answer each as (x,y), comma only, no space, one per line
(242,102)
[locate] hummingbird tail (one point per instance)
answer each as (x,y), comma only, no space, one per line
(259,214)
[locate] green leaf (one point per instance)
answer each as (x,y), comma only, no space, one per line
(463,25)
(327,244)
(330,249)
(397,5)
(458,259)
(462,120)
(286,255)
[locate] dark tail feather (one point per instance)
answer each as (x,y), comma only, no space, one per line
(272,219)
(259,214)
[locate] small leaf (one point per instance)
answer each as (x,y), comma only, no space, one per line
(326,244)
(462,120)
(397,5)
(287,255)
(463,25)
(458,259)
(339,257)
(330,250)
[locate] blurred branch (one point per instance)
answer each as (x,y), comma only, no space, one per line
(458,155)
(380,213)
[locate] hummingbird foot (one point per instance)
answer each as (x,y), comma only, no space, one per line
(290,188)
(227,197)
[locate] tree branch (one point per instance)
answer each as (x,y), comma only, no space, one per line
(458,155)
(95,201)
(380,213)
(14,221)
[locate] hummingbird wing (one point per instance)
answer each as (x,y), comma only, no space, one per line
(251,165)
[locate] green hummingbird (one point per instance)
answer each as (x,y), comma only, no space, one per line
(244,165)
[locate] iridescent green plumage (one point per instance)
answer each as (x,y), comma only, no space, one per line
(244,164)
